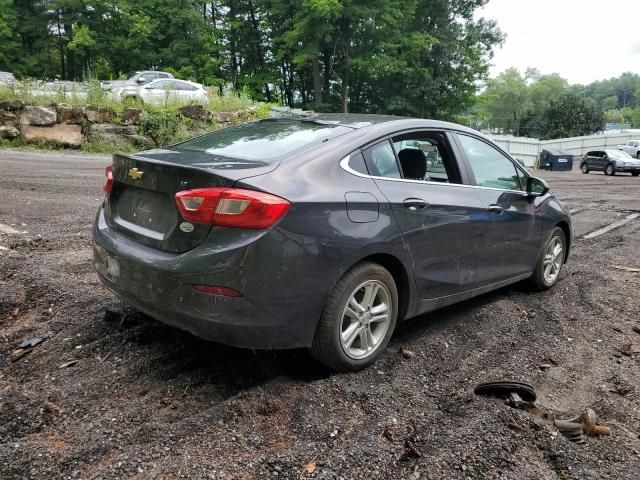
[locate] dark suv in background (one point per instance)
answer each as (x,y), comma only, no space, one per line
(610,162)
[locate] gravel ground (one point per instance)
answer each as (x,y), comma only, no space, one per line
(144,400)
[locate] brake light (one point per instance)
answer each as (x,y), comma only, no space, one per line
(108,183)
(231,207)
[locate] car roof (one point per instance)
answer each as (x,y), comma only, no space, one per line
(361,120)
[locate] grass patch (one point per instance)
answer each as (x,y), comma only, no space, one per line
(32,94)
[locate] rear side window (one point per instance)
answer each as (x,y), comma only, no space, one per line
(381,161)
(267,141)
(184,86)
(490,166)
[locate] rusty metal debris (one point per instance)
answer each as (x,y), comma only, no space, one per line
(504,388)
(522,396)
(25,348)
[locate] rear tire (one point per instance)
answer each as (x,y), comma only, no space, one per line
(358,320)
(584,168)
(550,261)
(635,174)
(610,170)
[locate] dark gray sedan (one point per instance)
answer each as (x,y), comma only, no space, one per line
(322,232)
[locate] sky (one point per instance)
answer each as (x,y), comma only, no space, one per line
(583,41)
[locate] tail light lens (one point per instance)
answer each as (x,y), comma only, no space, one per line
(108,183)
(231,207)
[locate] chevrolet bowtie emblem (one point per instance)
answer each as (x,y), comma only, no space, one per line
(135,174)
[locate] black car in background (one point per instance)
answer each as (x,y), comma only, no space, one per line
(610,162)
(322,232)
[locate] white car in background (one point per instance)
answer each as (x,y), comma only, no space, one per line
(7,79)
(164,91)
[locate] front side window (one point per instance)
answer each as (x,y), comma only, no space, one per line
(425,156)
(490,166)
(160,85)
(381,161)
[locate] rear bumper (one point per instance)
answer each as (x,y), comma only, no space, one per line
(283,287)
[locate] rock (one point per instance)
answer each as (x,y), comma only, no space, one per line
(226,117)
(117,135)
(8,119)
(131,116)
(8,131)
(99,114)
(196,112)
(139,141)
(12,105)
(102,129)
(64,134)
(38,116)
(69,113)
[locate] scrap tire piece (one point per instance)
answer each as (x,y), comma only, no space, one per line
(503,388)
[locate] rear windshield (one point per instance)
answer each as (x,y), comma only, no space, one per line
(267,141)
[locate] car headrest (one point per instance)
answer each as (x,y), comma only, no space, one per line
(413,163)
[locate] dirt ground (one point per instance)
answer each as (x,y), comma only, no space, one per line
(144,400)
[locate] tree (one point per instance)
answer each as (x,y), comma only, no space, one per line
(408,57)
(570,116)
(507,100)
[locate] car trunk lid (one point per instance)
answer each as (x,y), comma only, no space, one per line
(141,204)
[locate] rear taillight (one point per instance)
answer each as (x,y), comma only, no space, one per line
(231,207)
(108,183)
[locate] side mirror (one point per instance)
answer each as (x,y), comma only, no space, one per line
(141,80)
(536,186)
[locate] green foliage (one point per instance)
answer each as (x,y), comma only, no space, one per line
(410,57)
(163,128)
(570,115)
(521,104)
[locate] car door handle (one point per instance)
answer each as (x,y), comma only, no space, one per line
(415,204)
(497,209)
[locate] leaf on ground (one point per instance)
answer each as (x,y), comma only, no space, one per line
(625,349)
(310,468)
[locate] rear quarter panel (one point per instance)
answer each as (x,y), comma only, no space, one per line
(319,222)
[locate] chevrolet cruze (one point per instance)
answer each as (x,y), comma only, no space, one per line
(322,232)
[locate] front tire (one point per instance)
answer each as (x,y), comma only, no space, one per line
(358,320)
(635,174)
(550,261)
(610,170)
(584,168)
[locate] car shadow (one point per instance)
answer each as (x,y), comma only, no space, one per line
(172,355)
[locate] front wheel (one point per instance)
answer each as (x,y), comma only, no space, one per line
(550,261)
(610,170)
(635,174)
(584,168)
(358,319)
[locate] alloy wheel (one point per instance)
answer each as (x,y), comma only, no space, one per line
(365,319)
(553,260)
